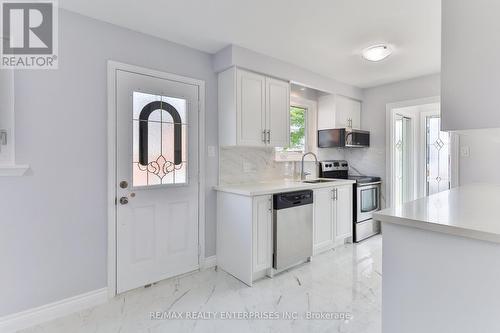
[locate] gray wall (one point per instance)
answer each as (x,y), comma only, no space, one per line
(371,161)
(53,225)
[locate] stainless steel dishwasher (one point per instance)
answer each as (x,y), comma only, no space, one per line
(292,228)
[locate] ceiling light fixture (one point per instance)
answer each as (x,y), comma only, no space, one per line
(377,52)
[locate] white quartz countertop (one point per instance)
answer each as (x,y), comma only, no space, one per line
(277,187)
(469,211)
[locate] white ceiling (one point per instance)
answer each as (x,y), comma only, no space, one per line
(324,36)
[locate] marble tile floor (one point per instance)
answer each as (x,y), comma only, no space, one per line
(345,281)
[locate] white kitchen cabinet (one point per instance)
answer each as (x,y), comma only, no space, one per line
(244,235)
(347,112)
(323,237)
(343,213)
(337,111)
(326,112)
(278,112)
(332,217)
(251,108)
(245,227)
(470,66)
(262,232)
(254,110)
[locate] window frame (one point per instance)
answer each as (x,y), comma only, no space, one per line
(8,166)
(310,145)
(306,127)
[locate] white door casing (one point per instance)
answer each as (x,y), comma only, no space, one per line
(157,232)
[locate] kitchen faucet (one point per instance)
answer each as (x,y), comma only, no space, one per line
(302,173)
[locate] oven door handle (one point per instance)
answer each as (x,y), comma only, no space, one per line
(369,184)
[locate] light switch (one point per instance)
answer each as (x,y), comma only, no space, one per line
(464,151)
(211,151)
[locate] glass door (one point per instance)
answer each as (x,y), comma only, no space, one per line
(402,159)
(437,152)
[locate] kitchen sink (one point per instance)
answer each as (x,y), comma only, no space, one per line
(315,181)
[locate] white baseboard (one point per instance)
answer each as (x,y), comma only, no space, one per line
(209,262)
(44,313)
(325,246)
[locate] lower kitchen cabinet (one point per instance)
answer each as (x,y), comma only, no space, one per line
(343,214)
(323,203)
(244,235)
(245,229)
(332,217)
(262,232)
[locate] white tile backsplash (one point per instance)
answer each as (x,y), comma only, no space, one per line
(251,164)
(238,165)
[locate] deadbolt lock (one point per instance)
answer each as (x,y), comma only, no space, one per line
(123,184)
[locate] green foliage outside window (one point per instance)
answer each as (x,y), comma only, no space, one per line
(297,128)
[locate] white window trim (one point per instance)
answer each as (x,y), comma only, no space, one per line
(311,128)
(8,166)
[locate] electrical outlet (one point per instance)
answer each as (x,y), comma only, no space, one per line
(464,151)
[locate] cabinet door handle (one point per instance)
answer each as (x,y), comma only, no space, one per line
(264,136)
(268,136)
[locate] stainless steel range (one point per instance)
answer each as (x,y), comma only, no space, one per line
(366,197)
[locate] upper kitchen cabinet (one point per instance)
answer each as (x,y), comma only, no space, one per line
(337,111)
(254,110)
(470,65)
(278,112)
(347,112)
(326,112)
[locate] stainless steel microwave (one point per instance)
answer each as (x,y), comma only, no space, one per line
(343,137)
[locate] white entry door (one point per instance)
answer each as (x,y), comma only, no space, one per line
(157,179)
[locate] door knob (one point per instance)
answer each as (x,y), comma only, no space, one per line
(124,200)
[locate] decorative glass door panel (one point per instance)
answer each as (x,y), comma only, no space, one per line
(437,156)
(402,159)
(159,147)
